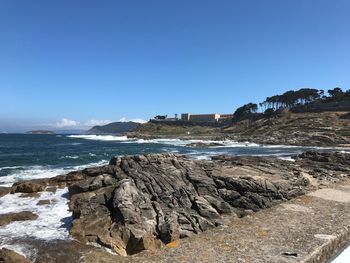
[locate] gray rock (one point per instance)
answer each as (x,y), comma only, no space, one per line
(140,202)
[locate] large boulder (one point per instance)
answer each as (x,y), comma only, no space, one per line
(33,186)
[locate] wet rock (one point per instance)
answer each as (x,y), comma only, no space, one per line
(43,202)
(4,190)
(30,195)
(9,256)
(69,178)
(29,186)
(20,216)
(51,189)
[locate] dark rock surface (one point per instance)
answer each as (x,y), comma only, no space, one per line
(9,256)
(299,138)
(29,186)
(44,202)
(140,202)
(20,216)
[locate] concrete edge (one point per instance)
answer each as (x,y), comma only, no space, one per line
(331,248)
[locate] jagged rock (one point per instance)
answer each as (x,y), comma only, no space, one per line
(334,157)
(139,202)
(20,216)
(69,178)
(9,256)
(92,183)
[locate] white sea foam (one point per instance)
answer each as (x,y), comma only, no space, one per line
(286,158)
(70,157)
(52,222)
(201,157)
(179,142)
(37,172)
(184,142)
(30,172)
(53,219)
(75,143)
(100,137)
(9,167)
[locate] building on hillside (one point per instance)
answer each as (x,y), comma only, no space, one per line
(214,117)
(163,118)
(225,116)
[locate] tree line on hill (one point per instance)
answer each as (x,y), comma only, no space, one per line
(290,99)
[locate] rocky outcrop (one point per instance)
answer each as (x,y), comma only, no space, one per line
(300,138)
(284,128)
(141,202)
(9,256)
(29,186)
(20,216)
(303,129)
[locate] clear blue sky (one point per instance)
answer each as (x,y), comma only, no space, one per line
(105,60)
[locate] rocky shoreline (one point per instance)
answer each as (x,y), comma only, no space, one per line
(325,129)
(302,139)
(145,202)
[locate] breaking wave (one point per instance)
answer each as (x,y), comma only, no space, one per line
(99,137)
(38,172)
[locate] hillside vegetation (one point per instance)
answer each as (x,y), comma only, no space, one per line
(161,130)
(114,128)
(305,117)
(314,129)
(288,128)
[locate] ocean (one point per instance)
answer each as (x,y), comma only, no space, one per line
(27,156)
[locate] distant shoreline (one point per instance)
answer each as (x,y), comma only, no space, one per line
(40,132)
